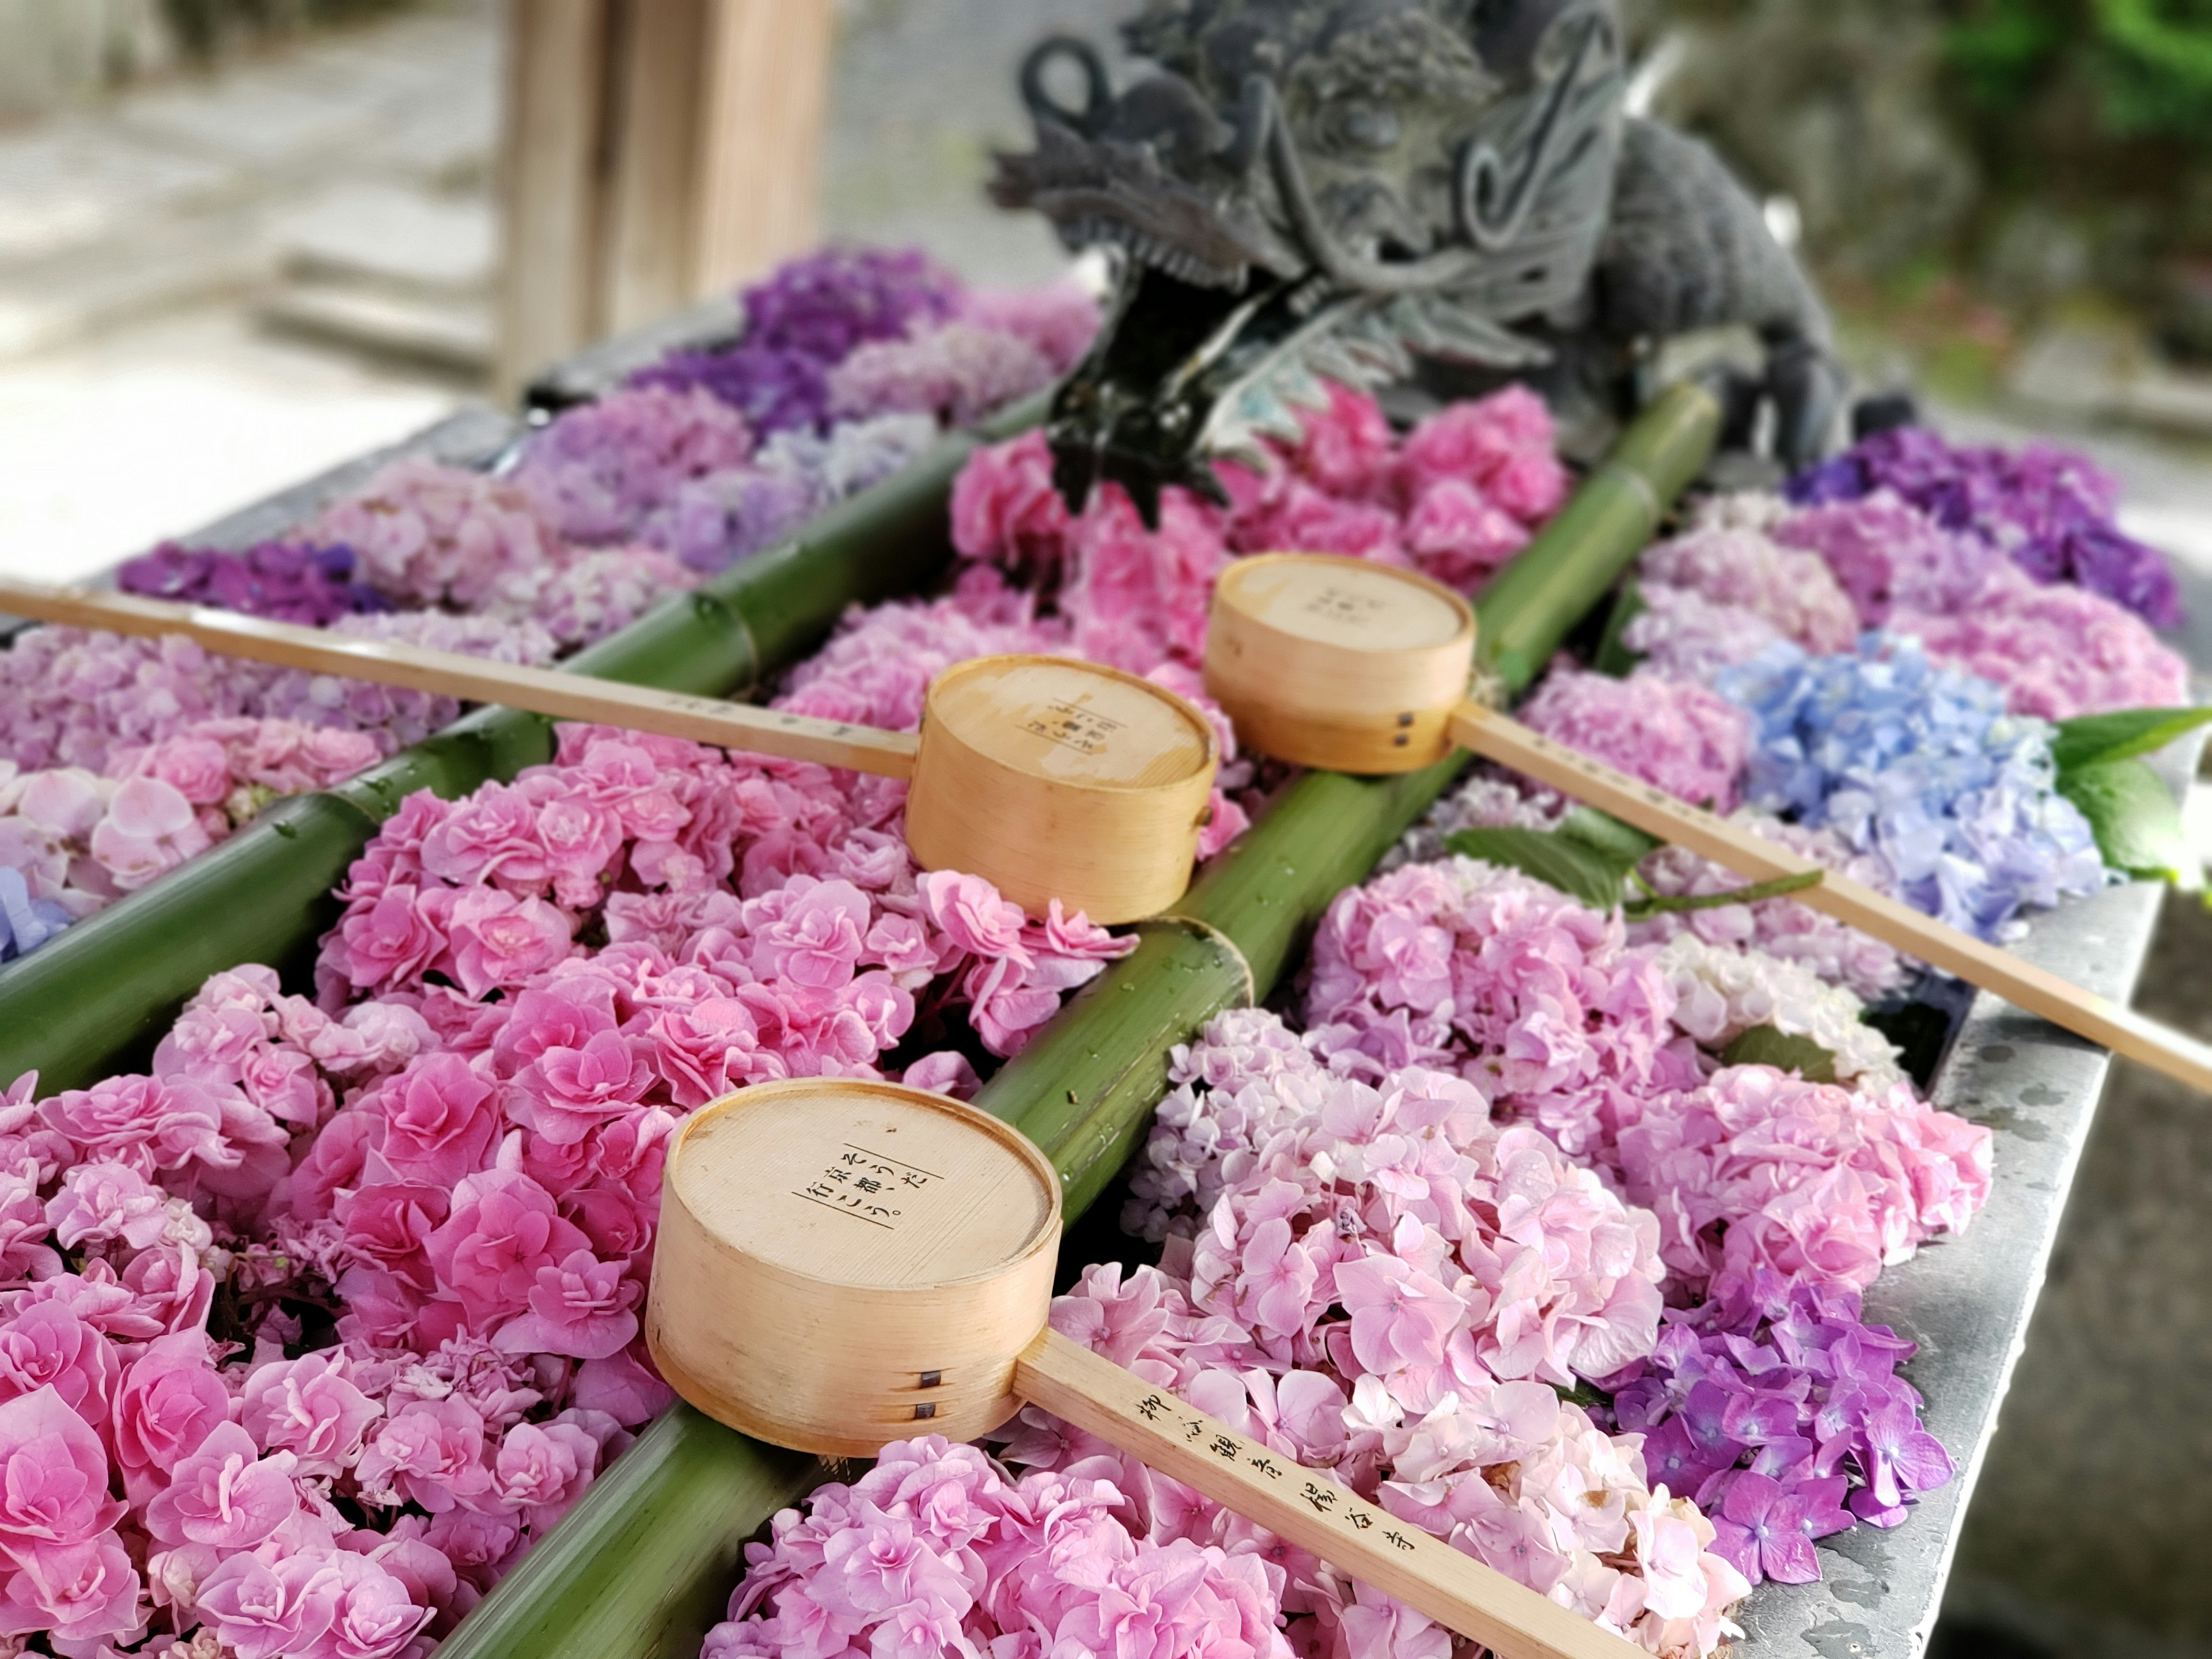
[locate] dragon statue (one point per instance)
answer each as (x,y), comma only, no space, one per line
(1448,191)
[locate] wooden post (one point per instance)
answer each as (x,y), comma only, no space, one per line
(653,231)
(550,183)
(767,93)
(655,151)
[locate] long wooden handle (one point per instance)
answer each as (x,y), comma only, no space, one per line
(415,668)
(1976,961)
(1309,1509)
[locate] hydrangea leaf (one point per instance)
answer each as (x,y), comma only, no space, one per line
(2122,734)
(1769,1045)
(1590,875)
(1602,832)
(2136,820)
(1613,656)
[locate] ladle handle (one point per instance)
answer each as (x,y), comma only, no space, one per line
(473,679)
(1308,1507)
(1655,812)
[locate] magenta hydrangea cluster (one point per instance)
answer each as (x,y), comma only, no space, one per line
(2050,510)
(428,1196)
(1455,499)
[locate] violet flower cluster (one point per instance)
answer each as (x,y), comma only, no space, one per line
(613,506)
(1920,765)
(1781,1409)
(1754,571)
(2050,510)
(290,581)
(855,333)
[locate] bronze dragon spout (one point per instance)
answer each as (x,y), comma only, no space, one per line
(1364,190)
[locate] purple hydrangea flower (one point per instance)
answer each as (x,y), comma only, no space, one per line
(288,581)
(1780,1410)
(2052,509)
(802,321)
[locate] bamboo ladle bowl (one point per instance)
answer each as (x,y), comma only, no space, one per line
(841,1264)
(1050,778)
(1356,666)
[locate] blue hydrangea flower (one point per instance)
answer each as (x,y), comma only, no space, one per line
(26,923)
(1920,765)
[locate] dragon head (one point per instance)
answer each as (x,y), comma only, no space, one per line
(1309,188)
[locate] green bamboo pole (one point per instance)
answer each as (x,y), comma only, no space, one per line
(1533,603)
(645,1561)
(102,994)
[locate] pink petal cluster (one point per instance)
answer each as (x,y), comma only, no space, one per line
(935,1550)
(591,595)
(1376,1291)
(1742,578)
(82,840)
(1455,499)
(1758,1169)
(1732,565)
(957,373)
(1485,971)
(428,534)
(1677,734)
(348,1504)
(1058,320)
(2058,651)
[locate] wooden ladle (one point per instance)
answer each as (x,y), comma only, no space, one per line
(1361,667)
(841,1264)
(1049,777)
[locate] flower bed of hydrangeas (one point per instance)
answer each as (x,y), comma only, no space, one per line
(314,1326)
(341,1294)
(607,509)
(1486,1221)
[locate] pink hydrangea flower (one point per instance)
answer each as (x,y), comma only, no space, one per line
(1688,741)
(225,1494)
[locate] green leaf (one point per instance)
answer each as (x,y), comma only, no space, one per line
(1581,871)
(1653,904)
(1614,657)
(1767,1045)
(1602,832)
(2137,824)
(2093,739)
